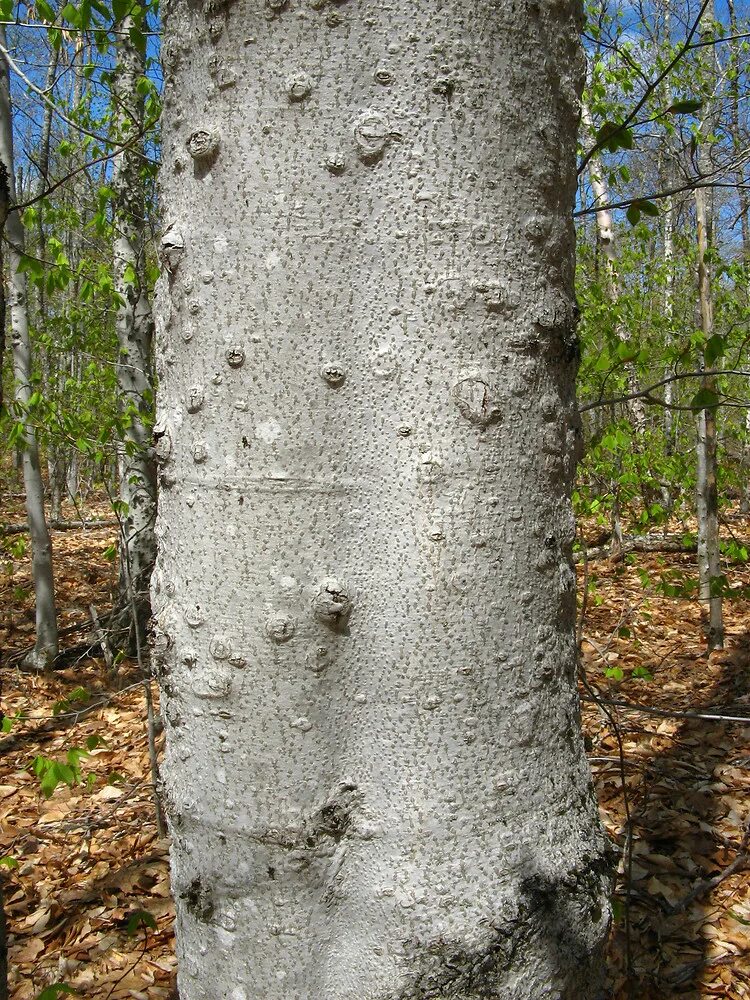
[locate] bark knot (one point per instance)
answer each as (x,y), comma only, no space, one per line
(333,602)
(473,397)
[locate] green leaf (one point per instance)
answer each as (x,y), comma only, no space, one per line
(70,13)
(138,919)
(49,782)
(627,352)
(640,207)
(8,862)
(129,275)
(31,265)
(138,39)
(704,399)
(55,990)
(120,8)
(614,136)
(686,107)
(615,673)
(43,9)
(714,349)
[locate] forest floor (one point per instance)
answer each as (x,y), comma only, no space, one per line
(82,866)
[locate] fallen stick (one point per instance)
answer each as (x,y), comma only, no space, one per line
(21,529)
(639,543)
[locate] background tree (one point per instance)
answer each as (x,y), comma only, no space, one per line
(45,647)
(134,327)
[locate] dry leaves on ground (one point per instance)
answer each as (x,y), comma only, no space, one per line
(89,859)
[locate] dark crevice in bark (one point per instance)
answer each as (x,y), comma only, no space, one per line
(198,900)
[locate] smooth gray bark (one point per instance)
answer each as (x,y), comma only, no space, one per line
(367,433)
(134,327)
(45,648)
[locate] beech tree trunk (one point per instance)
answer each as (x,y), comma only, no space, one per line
(45,647)
(367,434)
(134,327)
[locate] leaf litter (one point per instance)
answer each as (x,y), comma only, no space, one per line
(85,877)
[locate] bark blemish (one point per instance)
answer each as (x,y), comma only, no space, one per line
(198,900)
(334,817)
(203,145)
(334,374)
(326,826)
(318,661)
(194,616)
(372,133)
(550,908)
(332,604)
(172,251)
(220,647)
(195,399)
(162,442)
(473,397)
(335,164)
(298,87)
(445,87)
(235,357)
(448,969)
(280,628)
(200,452)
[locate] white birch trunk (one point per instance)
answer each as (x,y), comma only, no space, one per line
(134,327)
(744,203)
(670,426)
(50,359)
(367,433)
(606,231)
(45,647)
(668,214)
(707,497)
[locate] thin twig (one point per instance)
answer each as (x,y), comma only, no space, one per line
(646,393)
(630,706)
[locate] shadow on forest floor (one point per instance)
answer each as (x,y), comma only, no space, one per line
(687,786)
